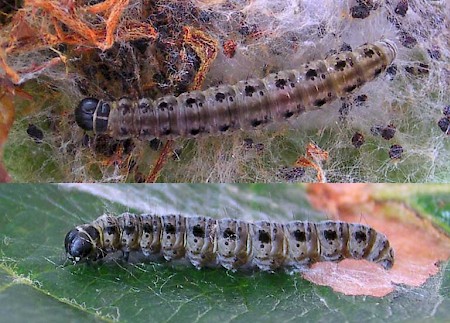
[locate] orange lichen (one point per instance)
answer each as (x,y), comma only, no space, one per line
(45,24)
(229,48)
(9,72)
(314,158)
(67,15)
(205,47)
(419,246)
(7,112)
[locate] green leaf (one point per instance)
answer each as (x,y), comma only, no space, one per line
(430,200)
(437,206)
(34,285)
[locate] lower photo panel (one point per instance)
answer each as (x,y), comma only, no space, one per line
(222,252)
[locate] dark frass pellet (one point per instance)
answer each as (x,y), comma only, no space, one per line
(418,70)
(388,132)
(360,11)
(360,99)
(34,132)
(141,44)
(446,111)
(291,174)
(407,40)
(155,144)
(391,71)
(346,48)
(358,139)
(434,53)
(344,109)
(444,124)
(128,146)
(395,152)
(139,177)
(259,147)
(401,8)
(248,143)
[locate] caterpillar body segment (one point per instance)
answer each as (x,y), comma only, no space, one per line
(360,237)
(381,252)
(303,243)
(109,231)
(333,240)
(269,245)
(150,242)
(173,236)
(249,104)
(234,245)
(231,243)
(200,240)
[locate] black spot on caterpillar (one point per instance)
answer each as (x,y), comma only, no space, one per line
(231,243)
(249,104)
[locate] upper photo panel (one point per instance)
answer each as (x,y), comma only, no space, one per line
(224,91)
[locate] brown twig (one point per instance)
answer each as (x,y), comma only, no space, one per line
(166,152)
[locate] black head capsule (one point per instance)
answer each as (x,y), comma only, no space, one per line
(92,114)
(80,244)
(84,113)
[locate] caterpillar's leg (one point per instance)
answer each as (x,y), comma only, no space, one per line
(292,269)
(94,262)
(125,255)
(99,254)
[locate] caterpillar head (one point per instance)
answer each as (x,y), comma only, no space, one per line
(81,244)
(92,114)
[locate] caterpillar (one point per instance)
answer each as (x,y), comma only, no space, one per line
(249,104)
(231,243)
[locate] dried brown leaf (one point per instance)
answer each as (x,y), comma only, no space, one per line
(414,262)
(6,120)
